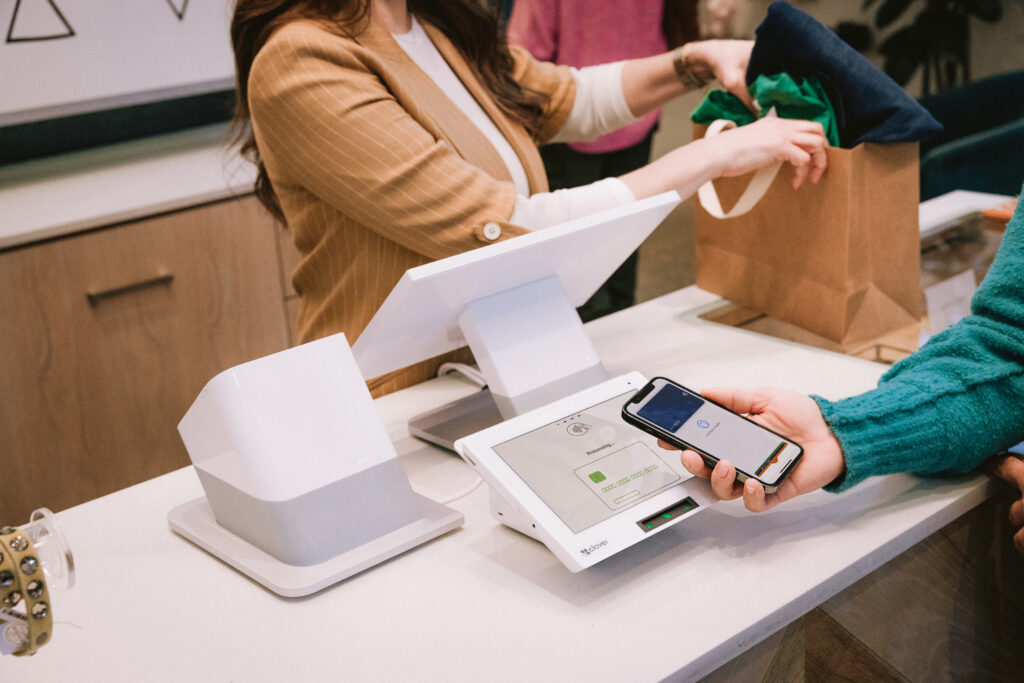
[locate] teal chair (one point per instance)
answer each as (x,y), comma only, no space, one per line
(982,146)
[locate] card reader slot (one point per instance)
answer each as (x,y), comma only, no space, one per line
(668,514)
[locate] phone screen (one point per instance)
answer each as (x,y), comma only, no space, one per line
(716,431)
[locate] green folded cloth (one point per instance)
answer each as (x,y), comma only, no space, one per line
(802,98)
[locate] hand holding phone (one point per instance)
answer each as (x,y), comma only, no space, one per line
(685,419)
(794,415)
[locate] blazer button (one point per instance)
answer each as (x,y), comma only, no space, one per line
(492,230)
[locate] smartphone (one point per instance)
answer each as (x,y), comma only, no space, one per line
(686,419)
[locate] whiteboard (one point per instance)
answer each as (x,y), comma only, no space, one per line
(64,57)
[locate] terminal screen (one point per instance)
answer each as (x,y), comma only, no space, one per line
(590,465)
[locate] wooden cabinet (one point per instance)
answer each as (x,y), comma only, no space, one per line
(107,337)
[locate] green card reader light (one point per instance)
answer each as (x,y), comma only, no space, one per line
(667,515)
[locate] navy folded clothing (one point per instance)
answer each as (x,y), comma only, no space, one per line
(869,106)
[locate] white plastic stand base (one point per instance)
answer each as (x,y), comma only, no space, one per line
(195,521)
(532,348)
(445,425)
(512,517)
(530,345)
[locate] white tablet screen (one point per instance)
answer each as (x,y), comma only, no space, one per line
(590,465)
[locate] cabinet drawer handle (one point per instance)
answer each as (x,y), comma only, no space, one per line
(160,280)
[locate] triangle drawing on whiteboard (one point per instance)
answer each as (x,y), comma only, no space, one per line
(179,7)
(34,20)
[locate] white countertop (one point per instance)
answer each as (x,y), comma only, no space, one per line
(484,602)
(72,192)
(939,212)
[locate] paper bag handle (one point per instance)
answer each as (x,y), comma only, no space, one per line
(759,184)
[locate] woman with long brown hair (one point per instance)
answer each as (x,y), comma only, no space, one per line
(390,133)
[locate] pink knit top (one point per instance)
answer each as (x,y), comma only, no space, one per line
(587,32)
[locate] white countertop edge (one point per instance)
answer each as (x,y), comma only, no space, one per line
(92,188)
(128,214)
(937,213)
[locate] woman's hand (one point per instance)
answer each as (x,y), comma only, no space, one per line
(798,142)
(1011,469)
(725,60)
(793,415)
(649,82)
(735,152)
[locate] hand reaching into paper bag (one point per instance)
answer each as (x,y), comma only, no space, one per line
(797,142)
(735,152)
(768,142)
(725,61)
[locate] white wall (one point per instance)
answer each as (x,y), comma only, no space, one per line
(62,57)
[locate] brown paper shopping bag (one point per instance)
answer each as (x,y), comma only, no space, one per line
(840,258)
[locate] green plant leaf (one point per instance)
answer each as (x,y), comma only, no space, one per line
(890,11)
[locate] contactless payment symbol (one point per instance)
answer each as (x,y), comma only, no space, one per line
(578,429)
(703,424)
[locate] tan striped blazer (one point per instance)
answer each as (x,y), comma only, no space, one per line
(378,171)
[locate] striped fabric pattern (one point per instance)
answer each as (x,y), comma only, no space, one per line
(377,171)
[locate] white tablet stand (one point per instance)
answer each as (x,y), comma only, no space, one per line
(303,487)
(530,345)
(513,303)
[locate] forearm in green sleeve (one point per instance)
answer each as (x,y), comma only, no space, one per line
(956,401)
(899,427)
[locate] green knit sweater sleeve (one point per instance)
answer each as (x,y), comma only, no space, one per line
(958,400)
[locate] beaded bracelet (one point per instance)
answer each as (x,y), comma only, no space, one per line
(681,63)
(21,578)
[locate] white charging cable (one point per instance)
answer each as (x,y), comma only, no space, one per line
(474,375)
(463,493)
(470,372)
